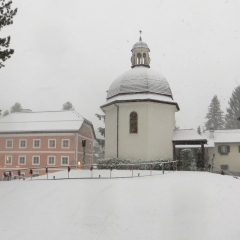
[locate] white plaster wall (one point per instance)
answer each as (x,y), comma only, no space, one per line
(110,131)
(161,123)
(232,159)
(133,145)
(156,122)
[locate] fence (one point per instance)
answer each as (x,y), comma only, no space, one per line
(166,165)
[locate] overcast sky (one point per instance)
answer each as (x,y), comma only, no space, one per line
(73,50)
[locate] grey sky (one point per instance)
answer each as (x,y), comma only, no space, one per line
(73,50)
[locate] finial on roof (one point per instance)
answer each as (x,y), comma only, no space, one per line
(140,39)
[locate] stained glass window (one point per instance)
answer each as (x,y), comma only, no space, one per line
(133,122)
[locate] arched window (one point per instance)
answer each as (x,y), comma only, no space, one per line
(139,56)
(133,122)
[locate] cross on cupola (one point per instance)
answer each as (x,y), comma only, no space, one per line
(140,54)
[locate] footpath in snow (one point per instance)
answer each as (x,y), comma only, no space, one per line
(176,205)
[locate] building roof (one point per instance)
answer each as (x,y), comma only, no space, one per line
(188,136)
(223,136)
(51,121)
(140,44)
(140,79)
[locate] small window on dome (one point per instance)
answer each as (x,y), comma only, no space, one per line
(133,122)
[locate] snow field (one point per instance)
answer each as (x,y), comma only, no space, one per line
(176,205)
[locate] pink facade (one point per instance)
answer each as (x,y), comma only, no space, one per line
(45,149)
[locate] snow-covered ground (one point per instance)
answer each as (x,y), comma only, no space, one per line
(176,205)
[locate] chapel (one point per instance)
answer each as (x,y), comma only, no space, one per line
(139,112)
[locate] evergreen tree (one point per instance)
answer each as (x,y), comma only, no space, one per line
(215,115)
(16,107)
(67,106)
(187,161)
(233,112)
(199,130)
(6,16)
(6,113)
(100,129)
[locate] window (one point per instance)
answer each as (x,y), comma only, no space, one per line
(133,122)
(51,160)
(8,160)
(90,147)
(22,160)
(52,143)
(23,143)
(36,160)
(36,143)
(223,149)
(65,143)
(9,143)
(224,167)
(64,160)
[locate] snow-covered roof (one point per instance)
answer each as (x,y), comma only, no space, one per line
(187,135)
(52,121)
(140,44)
(223,136)
(140,79)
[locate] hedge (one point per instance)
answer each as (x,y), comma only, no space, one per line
(107,163)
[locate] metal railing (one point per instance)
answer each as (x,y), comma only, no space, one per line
(8,173)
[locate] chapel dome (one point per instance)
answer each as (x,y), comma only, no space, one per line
(140,79)
(140,44)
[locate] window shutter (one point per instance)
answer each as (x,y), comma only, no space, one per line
(228,149)
(219,149)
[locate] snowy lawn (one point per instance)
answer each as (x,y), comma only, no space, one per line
(176,205)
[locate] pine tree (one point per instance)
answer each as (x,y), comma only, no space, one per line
(199,130)
(6,16)
(233,112)
(100,129)
(6,113)
(16,107)
(67,106)
(187,161)
(214,115)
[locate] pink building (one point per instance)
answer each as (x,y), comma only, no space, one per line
(37,139)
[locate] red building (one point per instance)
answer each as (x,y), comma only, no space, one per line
(36,139)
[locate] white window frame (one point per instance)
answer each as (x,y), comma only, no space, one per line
(68,143)
(34,143)
(62,161)
(49,143)
(33,160)
(8,140)
(6,160)
(19,160)
(54,157)
(20,140)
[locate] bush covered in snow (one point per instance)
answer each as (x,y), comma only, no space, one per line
(157,164)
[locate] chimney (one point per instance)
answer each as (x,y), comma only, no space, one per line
(211,131)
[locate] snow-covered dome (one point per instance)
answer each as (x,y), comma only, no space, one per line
(140,83)
(140,44)
(140,79)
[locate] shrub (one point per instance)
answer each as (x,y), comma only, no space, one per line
(157,164)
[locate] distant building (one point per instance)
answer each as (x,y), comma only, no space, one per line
(225,146)
(35,139)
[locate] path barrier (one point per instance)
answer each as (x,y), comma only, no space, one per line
(9,172)
(211,168)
